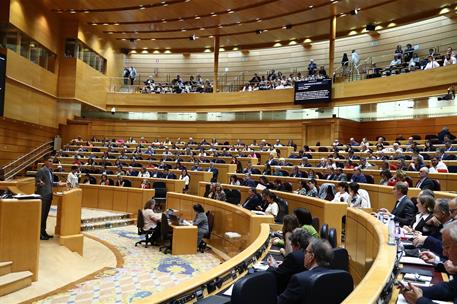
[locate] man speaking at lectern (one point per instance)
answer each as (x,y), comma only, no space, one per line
(44,182)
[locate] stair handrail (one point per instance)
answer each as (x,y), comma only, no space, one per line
(12,168)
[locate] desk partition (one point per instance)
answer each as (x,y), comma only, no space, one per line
(19,186)
(227,218)
(371,260)
(115,198)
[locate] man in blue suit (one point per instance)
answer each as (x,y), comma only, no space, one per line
(317,258)
(445,291)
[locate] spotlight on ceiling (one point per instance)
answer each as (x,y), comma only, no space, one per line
(355,11)
(193,37)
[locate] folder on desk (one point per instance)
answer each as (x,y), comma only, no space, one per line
(415,261)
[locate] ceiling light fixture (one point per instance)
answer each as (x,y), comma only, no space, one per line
(197,17)
(142,7)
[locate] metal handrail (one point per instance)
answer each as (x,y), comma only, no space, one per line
(14,167)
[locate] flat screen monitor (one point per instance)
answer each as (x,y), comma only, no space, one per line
(312,91)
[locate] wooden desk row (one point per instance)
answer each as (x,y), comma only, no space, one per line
(327,212)
(195,176)
(377,163)
(380,196)
(158,158)
(448,181)
(223,169)
(171,184)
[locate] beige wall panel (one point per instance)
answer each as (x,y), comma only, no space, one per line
(28,105)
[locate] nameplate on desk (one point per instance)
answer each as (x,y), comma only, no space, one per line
(27,196)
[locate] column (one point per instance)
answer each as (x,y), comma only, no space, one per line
(331,48)
(216,64)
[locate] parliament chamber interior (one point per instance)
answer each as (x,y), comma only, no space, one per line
(204,151)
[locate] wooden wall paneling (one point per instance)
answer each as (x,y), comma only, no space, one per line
(90,197)
(75,128)
(105,199)
(120,199)
(90,85)
(134,202)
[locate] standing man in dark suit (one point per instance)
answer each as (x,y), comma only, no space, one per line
(425,182)
(445,291)
(253,200)
(318,256)
(44,182)
(214,171)
(404,211)
(293,262)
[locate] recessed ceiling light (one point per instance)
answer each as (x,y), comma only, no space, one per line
(231,12)
(444,11)
(351,33)
(220,26)
(392,24)
(207,51)
(86,12)
(110,33)
(181,20)
(197,17)
(142,7)
(293,42)
(167,52)
(213,14)
(277,44)
(72,11)
(123,39)
(221,49)
(211,36)
(152,39)
(156,52)
(183,30)
(258,20)
(202,29)
(105,23)
(93,23)
(311,6)
(133,51)
(187,1)
(117,23)
(235,48)
(164,21)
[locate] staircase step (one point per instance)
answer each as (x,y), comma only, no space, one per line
(114,217)
(14,281)
(107,224)
(5,267)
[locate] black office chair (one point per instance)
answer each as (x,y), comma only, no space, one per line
(332,237)
(234,197)
(341,286)
(324,232)
(207,236)
(452,169)
(416,137)
(283,210)
(228,194)
(315,223)
(147,233)
(370,179)
(160,193)
(259,287)
(436,185)
(340,259)
(255,171)
(166,234)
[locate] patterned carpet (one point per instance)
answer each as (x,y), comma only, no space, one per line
(145,272)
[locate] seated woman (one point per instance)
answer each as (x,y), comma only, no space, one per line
(145,184)
(425,205)
(355,199)
(303,188)
(290,222)
(151,219)
(305,220)
(272,208)
(342,194)
(386,175)
(201,221)
(217,193)
(234,181)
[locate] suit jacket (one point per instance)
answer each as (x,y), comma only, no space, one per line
(215,174)
(158,174)
(434,244)
(445,291)
(45,190)
(405,212)
(252,202)
(298,287)
(292,264)
(250,183)
(427,183)
(423,224)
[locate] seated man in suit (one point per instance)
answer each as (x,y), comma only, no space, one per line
(156,173)
(425,182)
(253,200)
(167,174)
(318,256)
(404,211)
(445,291)
(293,262)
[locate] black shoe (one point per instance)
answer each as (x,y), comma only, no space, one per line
(44,237)
(48,236)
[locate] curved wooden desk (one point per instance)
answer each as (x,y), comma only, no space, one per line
(115,198)
(371,260)
(227,218)
(327,212)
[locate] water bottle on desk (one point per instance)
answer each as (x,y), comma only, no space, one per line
(391,228)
